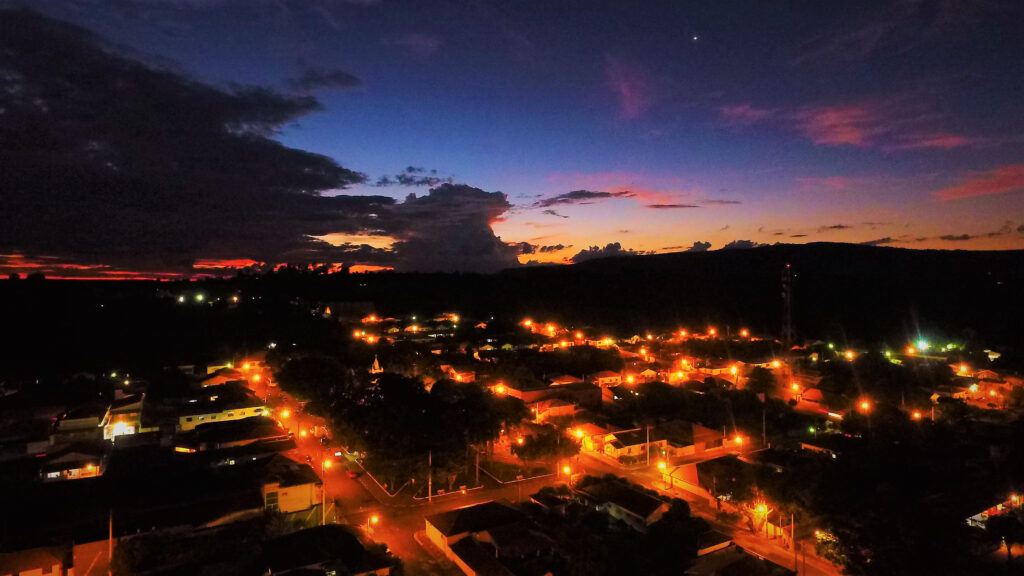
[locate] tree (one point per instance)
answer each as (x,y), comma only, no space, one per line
(761,381)
(547,444)
(1009,529)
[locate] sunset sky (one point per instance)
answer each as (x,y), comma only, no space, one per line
(659,126)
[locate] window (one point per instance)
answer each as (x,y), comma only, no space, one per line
(189,419)
(271,501)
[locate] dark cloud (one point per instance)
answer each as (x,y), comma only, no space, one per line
(143,169)
(956,237)
(319,78)
(550,212)
(449,229)
(798,236)
(553,248)
(834,227)
(714,202)
(612,249)
(1020,228)
(879,241)
(525,248)
(413,176)
(672,247)
(740,244)
(671,206)
(581,197)
(778,233)
(699,246)
(624,231)
(723,228)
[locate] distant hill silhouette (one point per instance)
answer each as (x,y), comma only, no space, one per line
(845,293)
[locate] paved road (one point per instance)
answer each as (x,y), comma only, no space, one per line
(356,501)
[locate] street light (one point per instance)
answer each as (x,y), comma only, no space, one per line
(662,465)
(371,522)
(865,406)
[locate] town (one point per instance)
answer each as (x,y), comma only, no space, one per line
(364,443)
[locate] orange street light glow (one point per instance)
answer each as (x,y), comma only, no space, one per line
(744,333)
(527,322)
(712,331)
(566,470)
(911,350)
(682,333)
(245,366)
(738,439)
(795,386)
(733,370)
(776,364)
(662,465)
(285,414)
(374,519)
(500,389)
(849,354)
(679,374)
(865,406)
(579,335)
(915,415)
(630,379)
(519,440)
(963,368)
(256,377)
(579,433)
(327,463)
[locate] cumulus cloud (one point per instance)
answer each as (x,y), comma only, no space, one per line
(956,237)
(580,197)
(611,249)
(168,172)
(740,244)
(699,246)
(320,78)
(834,227)
(879,241)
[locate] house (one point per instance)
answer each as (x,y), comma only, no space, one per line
(606,378)
(649,375)
(632,443)
(553,408)
(74,462)
(230,434)
(477,537)
(458,373)
(222,376)
(230,401)
(620,501)
(735,561)
(288,486)
(448,528)
(564,379)
(712,541)
(330,549)
(590,436)
(43,561)
(124,418)
(83,423)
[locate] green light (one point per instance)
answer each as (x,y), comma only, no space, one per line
(831,346)
(888,354)
(922,344)
(812,430)
(199,297)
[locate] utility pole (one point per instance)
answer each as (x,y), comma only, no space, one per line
(764,428)
(430,476)
(787,307)
(792,540)
(648,444)
(110,542)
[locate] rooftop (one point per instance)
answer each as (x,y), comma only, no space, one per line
(477,518)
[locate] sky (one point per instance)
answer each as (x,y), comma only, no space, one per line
(478,135)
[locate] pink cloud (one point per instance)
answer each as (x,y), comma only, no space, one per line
(744,114)
(631,86)
(892,125)
(996,181)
